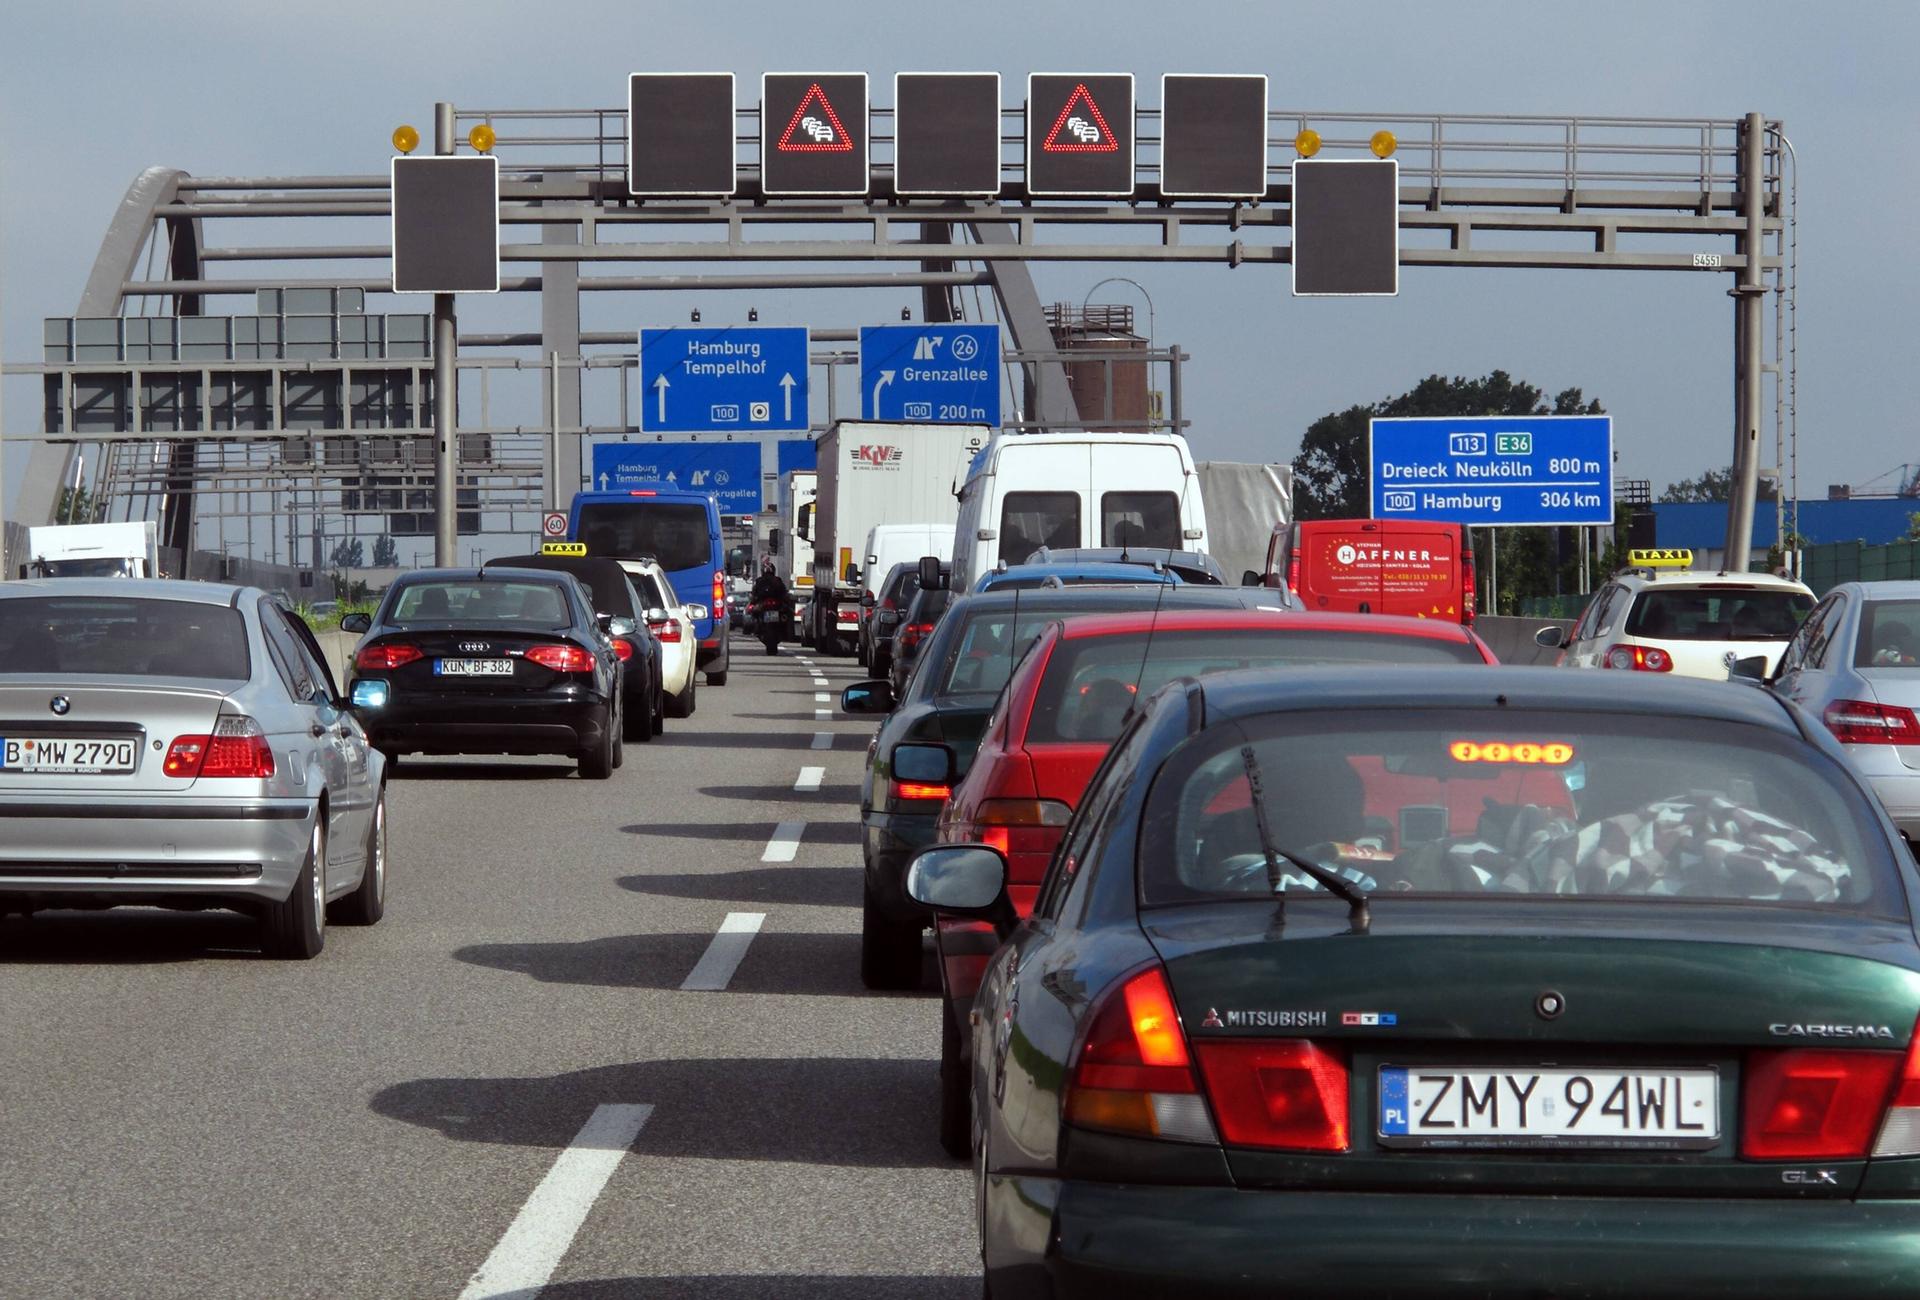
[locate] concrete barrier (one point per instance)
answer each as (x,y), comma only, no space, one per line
(1511,639)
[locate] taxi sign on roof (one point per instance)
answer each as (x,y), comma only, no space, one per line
(563,548)
(1662,559)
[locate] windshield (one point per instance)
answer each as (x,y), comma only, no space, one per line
(1090,683)
(1028,581)
(1720,613)
(673,533)
(1031,520)
(1887,635)
(97,567)
(1539,804)
(122,636)
(491,603)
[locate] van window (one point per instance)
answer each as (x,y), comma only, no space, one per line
(1031,520)
(1140,519)
(673,533)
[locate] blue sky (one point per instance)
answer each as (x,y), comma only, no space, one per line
(93,92)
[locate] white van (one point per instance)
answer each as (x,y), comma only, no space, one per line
(1062,490)
(891,544)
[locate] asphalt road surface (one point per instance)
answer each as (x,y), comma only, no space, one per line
(507,1087)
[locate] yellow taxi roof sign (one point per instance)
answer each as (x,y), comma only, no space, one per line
(1660,559)
(563,548)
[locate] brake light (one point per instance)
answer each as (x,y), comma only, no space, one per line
(1639,658)
(1900,1131)
(237,748)
(1293,573)
(1469,581)
(1813,1104)
(719,592)
(847,614)
(1289,1094)
(623,648)
(1862,722)
(1019,825)
(906,790)
(643,492)
(387,656)
(668,631)
(909,636)
(564,657)
(1133,1074)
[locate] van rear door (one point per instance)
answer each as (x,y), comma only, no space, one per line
(1141,495)
(1420,570)
(1041,491)
(1339,565)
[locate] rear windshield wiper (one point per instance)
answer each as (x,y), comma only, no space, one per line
(1336,884)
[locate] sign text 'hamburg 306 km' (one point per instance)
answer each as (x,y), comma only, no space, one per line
(733,379)
(1499,471)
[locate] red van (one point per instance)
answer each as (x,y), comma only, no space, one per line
(1375,566)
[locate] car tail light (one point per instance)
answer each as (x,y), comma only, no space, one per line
(1133,1074)
(563,657)
(1293,573)
(1289,1094)
(623,648)
(909,636)
(1469,583)
(237,748)
(1862,722)
(385,656)
(643,492)
(1639,658)
(847,614)
(667,631)
(912,790)
(1019,825)
(719,592)
(1814,1104)
(1900,1130)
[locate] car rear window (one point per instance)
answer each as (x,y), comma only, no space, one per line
(1718,613)
(905,583)
(1091,683)
(1031,520)
(123,636)
(475,603)
(673,533)
(1518,802)
(1889,635)
(1140,519)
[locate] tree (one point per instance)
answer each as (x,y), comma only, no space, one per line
(349,553)
(76,506)
(386,552)
(1712,485)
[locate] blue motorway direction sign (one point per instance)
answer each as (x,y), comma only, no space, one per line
(1494,471)
(936,374)
(725,379)
(727,471)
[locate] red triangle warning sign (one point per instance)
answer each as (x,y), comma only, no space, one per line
(1085,131)
(818,131)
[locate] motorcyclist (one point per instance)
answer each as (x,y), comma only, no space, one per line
(771,586)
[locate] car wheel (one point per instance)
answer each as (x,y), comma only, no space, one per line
(956,1108)
(367,904)
(889,951)
(597,764)
(296,927)
(617,727)
(716,679)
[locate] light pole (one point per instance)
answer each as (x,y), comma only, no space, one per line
(1121,279)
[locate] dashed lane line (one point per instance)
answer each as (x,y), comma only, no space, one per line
(810,777)
(823,715)
(785,842)
(822,740)
(537,1239)
(823,699)
(723,956)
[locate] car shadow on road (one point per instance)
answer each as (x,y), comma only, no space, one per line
(766,1287)
(805,886)
(817,834)
(807,964)
(847,1111)
(423,769)
(831,794)
(128,936)
(795,717)
(678,734)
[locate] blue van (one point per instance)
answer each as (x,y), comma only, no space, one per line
(679,531)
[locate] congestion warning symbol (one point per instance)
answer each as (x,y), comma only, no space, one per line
(1082,131)
(818,131)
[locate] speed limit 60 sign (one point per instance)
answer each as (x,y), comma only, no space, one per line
(554,524)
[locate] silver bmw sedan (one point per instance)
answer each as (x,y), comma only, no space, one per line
(183,745)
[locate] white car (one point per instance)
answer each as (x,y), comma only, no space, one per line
(674,630)
(1663,617)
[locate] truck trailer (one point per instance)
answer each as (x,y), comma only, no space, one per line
(129,549)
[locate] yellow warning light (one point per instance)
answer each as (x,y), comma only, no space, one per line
(405,139)
(1307,143)
(481,138)
(1383,144)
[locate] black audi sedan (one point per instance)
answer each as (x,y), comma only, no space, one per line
(489,661)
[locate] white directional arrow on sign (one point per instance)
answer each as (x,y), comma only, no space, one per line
(660,386)
(786,391)
(603,482)
(886,377)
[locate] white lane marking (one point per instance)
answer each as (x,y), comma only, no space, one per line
(822,740)
(810,777)
(823,699)
(785,842)
(537,1239)
(722,957)
(819,680)
(823,715)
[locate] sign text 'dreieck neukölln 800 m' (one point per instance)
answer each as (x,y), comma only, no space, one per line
(1493,471)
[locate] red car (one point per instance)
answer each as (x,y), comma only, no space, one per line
(1060,713)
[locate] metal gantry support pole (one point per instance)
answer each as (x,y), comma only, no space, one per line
(1747,345)
(446,467)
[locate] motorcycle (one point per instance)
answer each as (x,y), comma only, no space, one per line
(770,622)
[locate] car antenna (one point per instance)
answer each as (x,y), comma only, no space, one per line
(1139,677)
(1359,917)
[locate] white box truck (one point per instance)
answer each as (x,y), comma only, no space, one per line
(1245,503)
(871,474)
(129,549)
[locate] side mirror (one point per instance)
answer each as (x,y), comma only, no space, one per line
(922,764)
(656,616)
(618,626)
(961,880)
(1551,638)
(369,693)
(604,622)
(867,697)
(1751,670)
(868,601)
(853,572)
(929,573)
(356,622)
(1249,578)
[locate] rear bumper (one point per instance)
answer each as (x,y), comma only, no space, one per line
(88,852)
(1054,1239)
(547,726)
(891,840)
